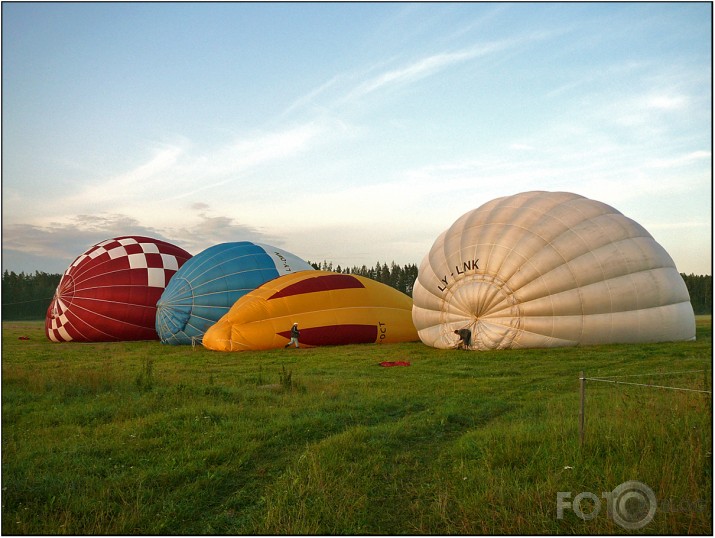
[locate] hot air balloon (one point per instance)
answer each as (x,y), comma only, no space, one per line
(547,269)
(329,308)
(110,292)
(206,287)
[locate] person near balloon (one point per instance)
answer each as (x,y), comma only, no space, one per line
(294,335)
(465,338)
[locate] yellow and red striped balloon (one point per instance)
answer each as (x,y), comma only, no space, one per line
(330,309)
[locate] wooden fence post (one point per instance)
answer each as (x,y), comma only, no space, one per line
(581,417)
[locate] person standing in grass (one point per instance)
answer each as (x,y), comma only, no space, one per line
(294,335)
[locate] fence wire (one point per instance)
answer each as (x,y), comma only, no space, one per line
(652,374)
(603,380)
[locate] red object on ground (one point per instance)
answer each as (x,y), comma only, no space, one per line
(394,363)
(24,338)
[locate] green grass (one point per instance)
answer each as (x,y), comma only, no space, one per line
(141,438)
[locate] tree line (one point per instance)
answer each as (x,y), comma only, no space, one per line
(700,288)
(27,296)
(400,277)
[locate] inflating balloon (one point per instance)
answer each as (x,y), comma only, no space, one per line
(110,292)
(547,269)
(208,285)
(329,308)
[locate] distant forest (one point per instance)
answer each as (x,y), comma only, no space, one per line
(27,296)
(399,277)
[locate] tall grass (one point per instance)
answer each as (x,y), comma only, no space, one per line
(141,438)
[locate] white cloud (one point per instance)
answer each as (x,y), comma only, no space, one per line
(419,69)
(175,171)
(224,164)
(162,160)
(666,102)
(522,147)
(311,96)
(412,72)
(680,225)
(680,160)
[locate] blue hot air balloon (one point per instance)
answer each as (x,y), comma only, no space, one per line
(208,285)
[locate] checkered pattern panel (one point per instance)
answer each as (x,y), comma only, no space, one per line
(160,267)
(56,330)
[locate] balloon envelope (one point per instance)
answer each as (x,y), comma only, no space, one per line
(110,292)
(330,309)
(546,269)
(208,285)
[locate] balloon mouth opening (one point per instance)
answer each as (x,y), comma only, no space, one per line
(220,337)
(486,306)
(171,320)
(174,308)
(65,291)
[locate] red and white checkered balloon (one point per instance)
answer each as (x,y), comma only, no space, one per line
(110,292)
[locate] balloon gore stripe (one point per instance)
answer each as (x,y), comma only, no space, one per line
(336,335)
(317,284)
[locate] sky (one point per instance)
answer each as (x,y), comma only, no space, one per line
(346,132)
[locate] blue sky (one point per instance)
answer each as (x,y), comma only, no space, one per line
(346,132)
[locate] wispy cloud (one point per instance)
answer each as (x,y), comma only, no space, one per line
(421,68)
(681,160)
(180,170)
(162,160)
(112,190)
(310,97)
(682,225)
(351,86)
(229,163)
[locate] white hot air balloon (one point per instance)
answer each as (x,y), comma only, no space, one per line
(548,269)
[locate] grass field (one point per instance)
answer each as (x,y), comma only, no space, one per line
(142,438)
